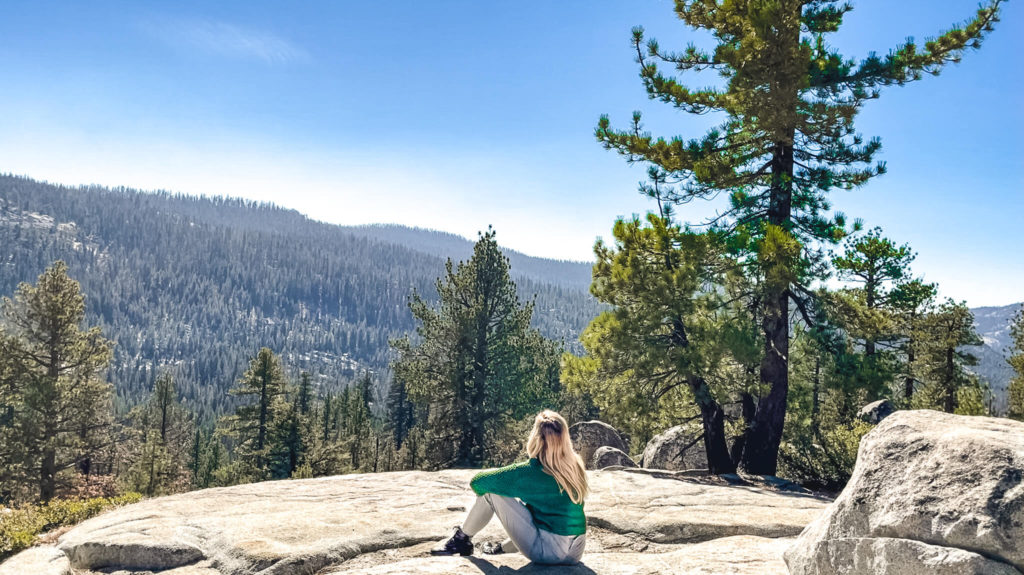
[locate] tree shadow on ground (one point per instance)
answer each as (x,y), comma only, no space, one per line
(488,568)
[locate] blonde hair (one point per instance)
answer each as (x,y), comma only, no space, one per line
(550,443)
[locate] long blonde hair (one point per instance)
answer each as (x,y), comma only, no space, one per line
(550,443)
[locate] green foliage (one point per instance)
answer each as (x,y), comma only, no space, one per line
(670,346)
(822,460)
(19,527)
(475,362)
(158,440)
(252,423)
(58,408)
(947,379)
(870,310)
(822,432)
(787,139)
(1017,363)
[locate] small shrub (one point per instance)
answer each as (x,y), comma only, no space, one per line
(20,527)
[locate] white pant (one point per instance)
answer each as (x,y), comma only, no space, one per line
(539,545)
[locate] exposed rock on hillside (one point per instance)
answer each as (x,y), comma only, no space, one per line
(931,493)
(385,523)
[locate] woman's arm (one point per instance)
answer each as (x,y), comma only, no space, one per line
(502,481)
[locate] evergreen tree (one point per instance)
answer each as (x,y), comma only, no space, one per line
(58,408)
(877,264)
(159,442)
(264,382)
(668,340)
(208,456)
(289,441)
(912,301)
(305,394)
(476,360)
(1016,361)
(950,329)
(788,139)
(400,411)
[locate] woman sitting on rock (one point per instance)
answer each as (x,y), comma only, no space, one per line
(539,502)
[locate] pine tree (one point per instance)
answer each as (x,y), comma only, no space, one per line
(288,441)
(912,301)
(667,340)
(58,407)
(476,361)
(305,395)
(159,442)
(787,140)
(400,412)
(264,382)
(950,328)
(877,267)
(877,264)
(1016,361)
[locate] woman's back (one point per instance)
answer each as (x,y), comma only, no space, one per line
(551,507)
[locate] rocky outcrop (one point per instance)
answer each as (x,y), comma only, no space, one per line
(739,555)
(45,560)
(384,523)
(611,457)
(876,411)
(676,449)
(589,436)
(931,493)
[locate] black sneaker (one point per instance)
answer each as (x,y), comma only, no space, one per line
(492,548)
(458,544)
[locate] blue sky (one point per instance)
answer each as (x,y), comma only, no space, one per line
(455,115)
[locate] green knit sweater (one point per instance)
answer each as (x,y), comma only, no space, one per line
(551,508)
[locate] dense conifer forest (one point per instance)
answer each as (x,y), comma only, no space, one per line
(201,284)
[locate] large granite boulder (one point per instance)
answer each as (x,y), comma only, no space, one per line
(611,457)
(677,448)
(931,493)
(385,523)
(588,436)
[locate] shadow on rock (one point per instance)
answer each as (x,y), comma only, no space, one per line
(489,568)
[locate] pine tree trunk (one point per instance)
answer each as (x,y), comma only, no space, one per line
(749,409)
(48,474)
(463,456)
(950,403)
(261,433)
(908,382)
(479,389)
(816,396)
(713,420)
(761,454)
(870,288)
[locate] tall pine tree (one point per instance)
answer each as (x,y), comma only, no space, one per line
(264,384)
(58,407)
(787,140)
(950,330)
(475,360)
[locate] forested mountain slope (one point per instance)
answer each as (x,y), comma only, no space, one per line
(557,272)
(202,283)
(993,325)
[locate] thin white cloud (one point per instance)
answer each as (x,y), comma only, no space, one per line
(227,40)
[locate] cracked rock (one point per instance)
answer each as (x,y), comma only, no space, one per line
(369,523)
(931,493)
